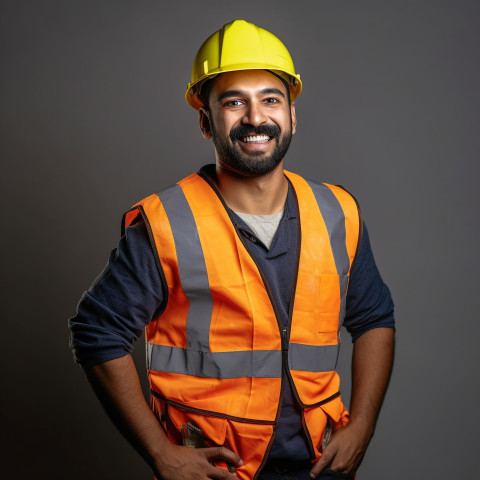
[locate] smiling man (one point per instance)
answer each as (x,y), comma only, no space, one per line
(242,275)
(242,100)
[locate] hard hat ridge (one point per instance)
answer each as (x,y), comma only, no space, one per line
(241,45)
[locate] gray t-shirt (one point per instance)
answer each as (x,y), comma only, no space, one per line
(263,226)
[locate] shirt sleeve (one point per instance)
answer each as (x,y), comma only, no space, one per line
(369,302)
(123,299)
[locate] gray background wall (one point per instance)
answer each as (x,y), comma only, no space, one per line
(93,119)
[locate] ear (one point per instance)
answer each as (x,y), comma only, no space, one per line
(204,123)
(294,118)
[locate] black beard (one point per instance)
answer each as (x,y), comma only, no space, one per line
(256,163)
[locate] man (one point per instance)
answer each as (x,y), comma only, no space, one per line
(242,275)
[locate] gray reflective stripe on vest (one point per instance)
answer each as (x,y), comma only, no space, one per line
(250,363)
(334,218)
(312,358)
(191,264)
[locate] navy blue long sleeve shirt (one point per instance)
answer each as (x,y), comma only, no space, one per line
(125,297)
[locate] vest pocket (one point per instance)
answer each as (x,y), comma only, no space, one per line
(332,299)
(213,428)
(323,421)
(172,419)
(337,412)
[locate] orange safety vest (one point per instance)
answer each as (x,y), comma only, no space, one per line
(215,355)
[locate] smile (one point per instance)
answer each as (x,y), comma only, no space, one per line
(256,139)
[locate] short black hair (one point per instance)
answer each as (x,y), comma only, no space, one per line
(204,93)
(206,88)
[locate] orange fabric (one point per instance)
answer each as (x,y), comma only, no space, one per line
(240,413)
(250,441)
(235,277)
(317,275)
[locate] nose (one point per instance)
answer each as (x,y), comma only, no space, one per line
(254,115)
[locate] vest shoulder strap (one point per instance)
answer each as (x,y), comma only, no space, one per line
(340,213)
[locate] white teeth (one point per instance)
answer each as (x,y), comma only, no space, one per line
(256,138)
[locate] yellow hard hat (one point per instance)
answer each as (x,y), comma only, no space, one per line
(240,45)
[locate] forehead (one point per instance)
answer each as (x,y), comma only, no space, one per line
(247,81)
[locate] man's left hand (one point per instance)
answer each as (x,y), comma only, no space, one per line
(344,451)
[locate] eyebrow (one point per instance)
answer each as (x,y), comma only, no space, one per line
(240,93)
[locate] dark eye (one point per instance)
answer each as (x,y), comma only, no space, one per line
(233,103)
(271,100)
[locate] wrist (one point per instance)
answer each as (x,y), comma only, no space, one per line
(159,452)
(363,427)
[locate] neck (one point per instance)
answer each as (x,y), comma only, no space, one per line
(264,195)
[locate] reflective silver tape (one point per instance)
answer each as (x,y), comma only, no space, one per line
(250,363)
(334,217)
(312,358)
(148,352)
(191,264)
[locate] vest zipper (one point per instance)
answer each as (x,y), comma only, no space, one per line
(289,326)
(285,340)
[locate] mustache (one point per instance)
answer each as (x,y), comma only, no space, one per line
(237,133)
